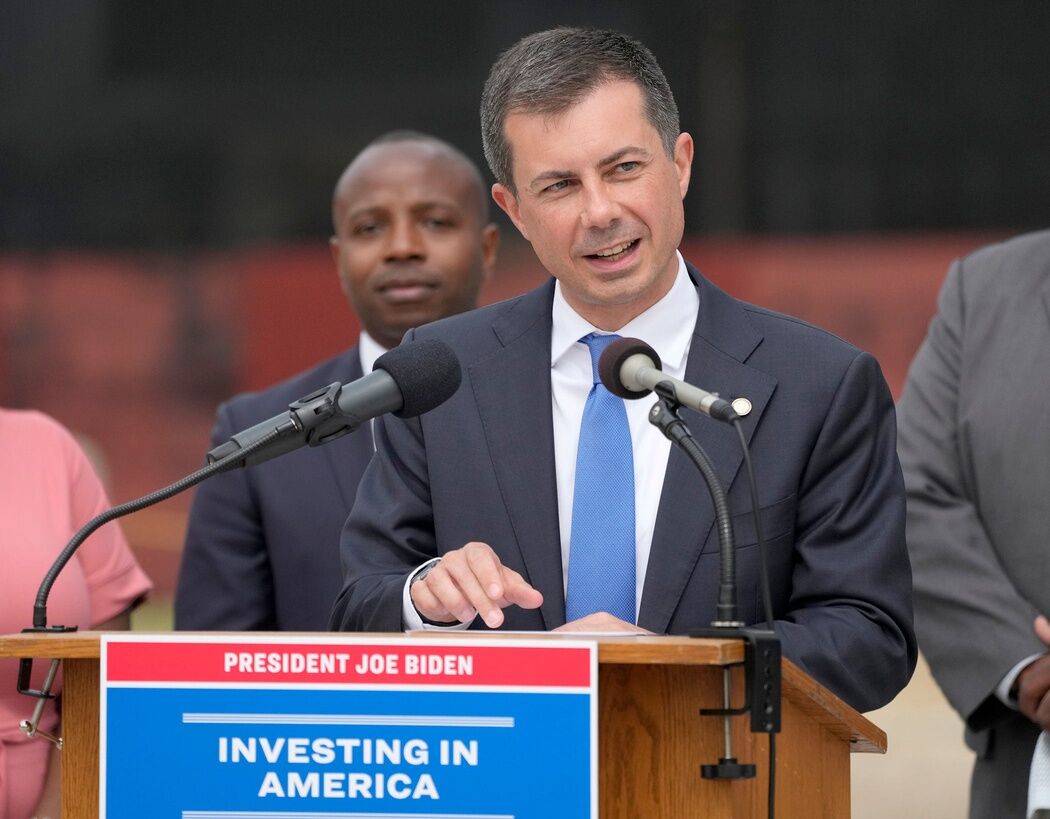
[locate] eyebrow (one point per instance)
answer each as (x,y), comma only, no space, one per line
(547,175)
(611,159)
(620,154)
(418,207)
(357,213)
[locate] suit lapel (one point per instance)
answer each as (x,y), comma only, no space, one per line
(348,457)
(513,393)
(723,339)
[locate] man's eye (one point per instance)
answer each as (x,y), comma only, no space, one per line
(627,167)
(435,222)
(366,229)
(560,185)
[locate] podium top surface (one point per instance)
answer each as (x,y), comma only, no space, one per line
(812,698)
(612,648)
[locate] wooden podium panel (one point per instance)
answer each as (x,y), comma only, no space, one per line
(651,737)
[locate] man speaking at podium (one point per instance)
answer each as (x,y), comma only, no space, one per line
(534,499)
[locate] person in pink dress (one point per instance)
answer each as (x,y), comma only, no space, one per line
(48,490)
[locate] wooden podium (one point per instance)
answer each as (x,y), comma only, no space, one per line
(652,739)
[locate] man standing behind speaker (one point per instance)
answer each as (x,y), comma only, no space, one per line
(975,448)
(412,243)
(530,500)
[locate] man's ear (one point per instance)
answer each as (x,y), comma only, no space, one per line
(333,247)
(489,249)
(508,203)
(683,160)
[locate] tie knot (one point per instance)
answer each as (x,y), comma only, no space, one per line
(597,343)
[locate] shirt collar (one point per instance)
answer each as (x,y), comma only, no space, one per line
(369,349)
(667,326)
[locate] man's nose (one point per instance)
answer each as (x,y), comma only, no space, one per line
(405,241)
(600,207)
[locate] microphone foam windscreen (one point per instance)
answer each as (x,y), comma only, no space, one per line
(426,372)
(611,362)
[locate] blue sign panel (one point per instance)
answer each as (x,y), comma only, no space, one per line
(196,728)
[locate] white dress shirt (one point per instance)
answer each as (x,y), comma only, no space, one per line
(369,350)
(667,327)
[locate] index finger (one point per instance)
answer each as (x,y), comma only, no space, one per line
(517,590)
(487,569)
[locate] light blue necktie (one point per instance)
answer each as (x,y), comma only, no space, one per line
(601,545)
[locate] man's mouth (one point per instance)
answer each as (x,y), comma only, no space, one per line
(615,252)
(403,291)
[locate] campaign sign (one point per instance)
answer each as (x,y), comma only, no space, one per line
(209,727)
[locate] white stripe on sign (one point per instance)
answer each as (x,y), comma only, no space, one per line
(418,720)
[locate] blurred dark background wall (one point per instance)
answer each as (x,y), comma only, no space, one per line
(215,123)
(166,170)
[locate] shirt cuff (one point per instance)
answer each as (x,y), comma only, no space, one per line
(1002,691)
(411,619)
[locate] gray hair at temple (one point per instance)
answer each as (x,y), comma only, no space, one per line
(550,71)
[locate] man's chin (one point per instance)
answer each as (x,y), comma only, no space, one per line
(410,319)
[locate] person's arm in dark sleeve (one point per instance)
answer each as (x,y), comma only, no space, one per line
(225,579)
(390,531)
(849,622)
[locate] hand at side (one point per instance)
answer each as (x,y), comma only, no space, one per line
(1033,683)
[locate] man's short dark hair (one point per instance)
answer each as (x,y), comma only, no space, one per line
(549,72)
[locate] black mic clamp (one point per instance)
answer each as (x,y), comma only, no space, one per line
(314,419)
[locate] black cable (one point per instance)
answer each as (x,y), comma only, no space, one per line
(767,599)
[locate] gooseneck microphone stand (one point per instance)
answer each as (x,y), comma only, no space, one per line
(761,646)
(40,625)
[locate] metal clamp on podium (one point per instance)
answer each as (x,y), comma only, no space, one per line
(31,726)
(761,695)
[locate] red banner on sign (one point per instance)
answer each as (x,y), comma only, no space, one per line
(422,662)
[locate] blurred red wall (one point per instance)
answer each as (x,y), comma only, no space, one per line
(134,350)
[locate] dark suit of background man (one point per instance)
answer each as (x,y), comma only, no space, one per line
(581,132)
(412,243)
(975,447)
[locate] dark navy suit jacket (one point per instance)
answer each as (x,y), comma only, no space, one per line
(822,436)
(262,546)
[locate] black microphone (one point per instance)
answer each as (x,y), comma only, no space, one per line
(630,368)
(407,381)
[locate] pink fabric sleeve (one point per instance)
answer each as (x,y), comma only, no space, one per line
(114,579)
